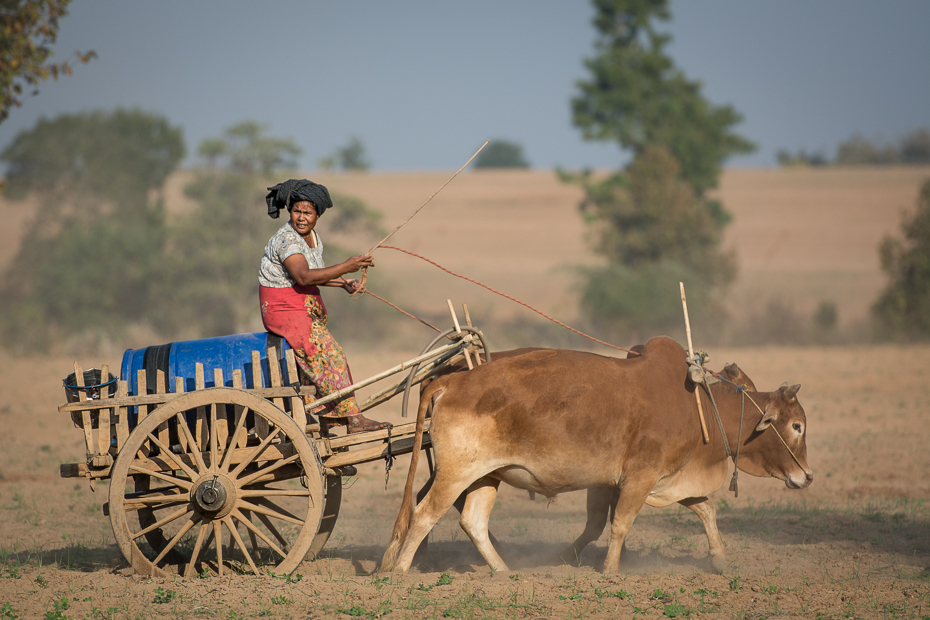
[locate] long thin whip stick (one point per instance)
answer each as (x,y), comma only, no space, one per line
(430,198)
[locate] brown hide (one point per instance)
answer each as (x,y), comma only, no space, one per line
(554,421)
(601,501)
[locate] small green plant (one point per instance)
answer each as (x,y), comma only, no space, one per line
(57,612)
(7,612)
(677,610)
(41,581)
(660,595)
(205,574)
(164,596)
(735,584)
(702,593)
(424,588)
(620,594)
(516,577)
(445,579)
(280,600)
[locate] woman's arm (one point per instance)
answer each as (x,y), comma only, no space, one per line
(301,273)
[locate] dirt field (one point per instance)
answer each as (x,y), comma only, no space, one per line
(856,544)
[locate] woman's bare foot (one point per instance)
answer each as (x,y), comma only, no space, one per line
(360,424)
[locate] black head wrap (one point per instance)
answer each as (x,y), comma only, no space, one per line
(283,195)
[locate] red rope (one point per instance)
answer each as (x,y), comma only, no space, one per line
(416,318)
(513,299)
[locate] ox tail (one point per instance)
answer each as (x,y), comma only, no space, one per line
(405,515)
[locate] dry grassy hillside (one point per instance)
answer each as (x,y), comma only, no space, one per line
(801,236)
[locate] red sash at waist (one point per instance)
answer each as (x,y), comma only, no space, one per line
(287,313)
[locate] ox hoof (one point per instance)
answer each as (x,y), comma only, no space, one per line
(718,563)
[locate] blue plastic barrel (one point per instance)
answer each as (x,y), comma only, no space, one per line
(179,359)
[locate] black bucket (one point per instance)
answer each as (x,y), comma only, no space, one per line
(92,385)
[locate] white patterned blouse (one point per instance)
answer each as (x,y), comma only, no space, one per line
(286,242)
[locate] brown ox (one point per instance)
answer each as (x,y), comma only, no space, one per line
(602,501)
(557,421)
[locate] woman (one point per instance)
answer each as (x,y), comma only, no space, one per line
(291,272)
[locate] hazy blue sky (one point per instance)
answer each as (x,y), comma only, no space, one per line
(424,83)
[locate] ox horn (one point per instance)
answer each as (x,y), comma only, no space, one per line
(790,392)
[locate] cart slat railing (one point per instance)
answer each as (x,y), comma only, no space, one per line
(105,420)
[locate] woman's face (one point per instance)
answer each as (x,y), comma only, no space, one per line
(303,217)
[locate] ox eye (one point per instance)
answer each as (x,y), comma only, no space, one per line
(797,427)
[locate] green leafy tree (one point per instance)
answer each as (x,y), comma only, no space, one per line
(91,256)
(28,29)
(208,281)
(352,156)
(903,309)
(655,232)
(92,158)
(245,148)
(915,147)
(802,158)
(652,220)
(859,150)
(637,97)
(501,154)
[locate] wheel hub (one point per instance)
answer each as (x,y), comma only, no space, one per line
(214,495)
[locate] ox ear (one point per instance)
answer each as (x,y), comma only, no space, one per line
(790,393)
(768,418)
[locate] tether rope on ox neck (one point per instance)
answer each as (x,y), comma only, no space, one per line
(734,485)
(513,299)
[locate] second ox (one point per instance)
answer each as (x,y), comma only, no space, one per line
(556,421)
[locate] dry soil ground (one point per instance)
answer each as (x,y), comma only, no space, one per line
(854,544)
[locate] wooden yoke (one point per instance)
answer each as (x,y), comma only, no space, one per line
(458,330)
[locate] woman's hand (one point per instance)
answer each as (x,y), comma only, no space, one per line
(351,285)
(357,262)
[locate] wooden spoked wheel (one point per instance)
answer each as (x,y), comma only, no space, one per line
(242,488)
(330,514)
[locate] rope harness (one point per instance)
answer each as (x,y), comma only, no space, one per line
(744,394)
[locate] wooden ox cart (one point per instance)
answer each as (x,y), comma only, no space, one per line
(214,463)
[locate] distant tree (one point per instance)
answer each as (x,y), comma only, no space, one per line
(501,154)
(93,157)
(903,309)
(637,97)
(652,220)
(801,158)
(91,256)
(352,156)
(243,147)
(859,150)
(652,228)
(28,29)
(915,147)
